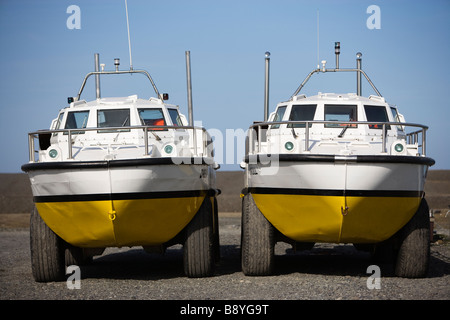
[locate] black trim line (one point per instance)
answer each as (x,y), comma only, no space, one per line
(266,158)
(113,163)
(329,192)
(124,196)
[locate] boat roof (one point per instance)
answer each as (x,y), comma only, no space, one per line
(338,97)
(122,101)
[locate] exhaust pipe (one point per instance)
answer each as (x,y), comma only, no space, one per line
(97,76)
(337,51)
(266,88)
(189,88)
(358,74)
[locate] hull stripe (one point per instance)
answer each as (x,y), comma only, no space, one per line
(64,165)
(348,193)
(254,159)
(123,196)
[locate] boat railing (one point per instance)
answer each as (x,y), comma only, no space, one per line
(98,73)
(258,131)
(358,71)
(198,149)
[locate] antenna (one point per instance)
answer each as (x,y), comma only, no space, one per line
(318,60)
(189,88)
(129,40)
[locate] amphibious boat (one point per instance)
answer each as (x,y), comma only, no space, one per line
(336,168)
(117,172)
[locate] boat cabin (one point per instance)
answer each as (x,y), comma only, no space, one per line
(118,128)
(342,124)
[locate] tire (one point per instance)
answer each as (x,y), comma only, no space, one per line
(198,249)
(414,245)
(257,240)
(216,233)
(47,251)
(76,256)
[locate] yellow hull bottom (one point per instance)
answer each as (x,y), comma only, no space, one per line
(97,224)
(312,218)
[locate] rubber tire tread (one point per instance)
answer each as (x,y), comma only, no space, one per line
(216,233)
(47,251)
(257,240)
(198,249)
(414,245)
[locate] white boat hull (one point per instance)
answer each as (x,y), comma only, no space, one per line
(103,205)
(339,200)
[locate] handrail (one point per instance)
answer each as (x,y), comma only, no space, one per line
(70,132)
(119,72)
(412,135)
(335,70)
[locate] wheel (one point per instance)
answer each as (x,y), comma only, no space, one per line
(216,233)
(414,245)
(76,256)
(198,255)
(257,240)
(47,251)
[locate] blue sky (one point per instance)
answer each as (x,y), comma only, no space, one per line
(43,62)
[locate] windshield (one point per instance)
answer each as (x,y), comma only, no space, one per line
(396,117)
(279,116)
(113,118)
(76,120)
(175,117)
(340,113)
(152,117)
(302,113)
(376,114)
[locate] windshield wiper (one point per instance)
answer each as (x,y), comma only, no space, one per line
(343,131)
(293,132)
(154,134)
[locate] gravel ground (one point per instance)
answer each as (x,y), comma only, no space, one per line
(327,272)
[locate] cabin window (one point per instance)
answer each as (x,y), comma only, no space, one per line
(59,121)
(152,117)
(340,113)
(77,120)
(57,124)
(396,117)
(376,114)
(302,113)
(279,116)
(113,118)
(175,117)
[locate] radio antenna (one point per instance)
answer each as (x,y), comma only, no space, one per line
(318,58)
(129,40)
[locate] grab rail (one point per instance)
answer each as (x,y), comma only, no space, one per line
(360,71)
(146,129)
(411,137)
(98,73)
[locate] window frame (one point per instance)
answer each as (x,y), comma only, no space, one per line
(375,126)
(396,116)
(178,122)
(301,125)
(155,119)
(354,109)
(127,119)
(275,119)
(84,124)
